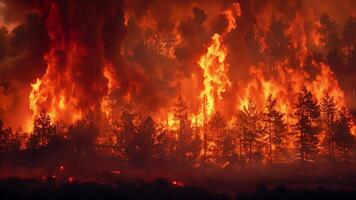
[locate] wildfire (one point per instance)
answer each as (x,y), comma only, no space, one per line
(215,70)
(215,73)
(231,15)
(317,38)
(32,97)
(121,57)
(107,101)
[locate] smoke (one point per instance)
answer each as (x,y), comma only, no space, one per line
(148,49)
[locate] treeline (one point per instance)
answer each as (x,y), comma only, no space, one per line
(316,132)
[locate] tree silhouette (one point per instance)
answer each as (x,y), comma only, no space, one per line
(164,145)
(185,131)
(83,134)
(275,127)
(344,140)
(328,116)
(220,148)
(279,44)
(253,40)
(125,130)
(228,145)
(251,129)
(144,141)
(328,31)
(349,43)
(7,143)
(307,115)
(43,131)
(4,137)
(349,32)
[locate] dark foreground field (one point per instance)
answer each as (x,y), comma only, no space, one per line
(16,188)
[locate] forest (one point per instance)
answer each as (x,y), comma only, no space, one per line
(318,132)
(206,98)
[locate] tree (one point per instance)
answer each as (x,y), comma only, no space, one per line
(251,129)
(228,145)
(4,137)
(344,140)
(43,131)
(328,116)
(328,31)
(275,127)
(163,147)
(220,147)
(185,131)
(125,130)
(254,43)
(307,114)
(83,134)
(144,141)
(349,32)
(278,42)
(349,44)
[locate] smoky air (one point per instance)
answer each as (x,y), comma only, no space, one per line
(199,99)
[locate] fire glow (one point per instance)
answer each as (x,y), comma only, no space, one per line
(221,59)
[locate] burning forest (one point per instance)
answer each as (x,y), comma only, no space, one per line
(230,90)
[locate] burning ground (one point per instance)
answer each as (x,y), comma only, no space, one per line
(151,85)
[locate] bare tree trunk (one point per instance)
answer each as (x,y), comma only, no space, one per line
(270,143)
(333,151)
(205,147)
(329,148)
(240,156)
(250,152)
(302,147)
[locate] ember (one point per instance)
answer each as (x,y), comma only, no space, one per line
(176,183)
(70,179)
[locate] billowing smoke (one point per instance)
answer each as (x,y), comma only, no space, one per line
(69,57)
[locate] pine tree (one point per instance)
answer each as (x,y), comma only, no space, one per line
(328,31)
(251,129)
(164,145)
(344,139)
(43,131)
(307,115)
(144,141)
(125,130)
(349,32)
(279,44)
(328,116)
(275,127)
(253,41)
(217,132)
(185,130)
(349,44)
(83,134)
(4,138)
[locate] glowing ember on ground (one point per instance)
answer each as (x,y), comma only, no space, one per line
(70,179)
(177,183)
(116,172)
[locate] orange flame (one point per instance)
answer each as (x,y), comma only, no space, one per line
(215,73)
